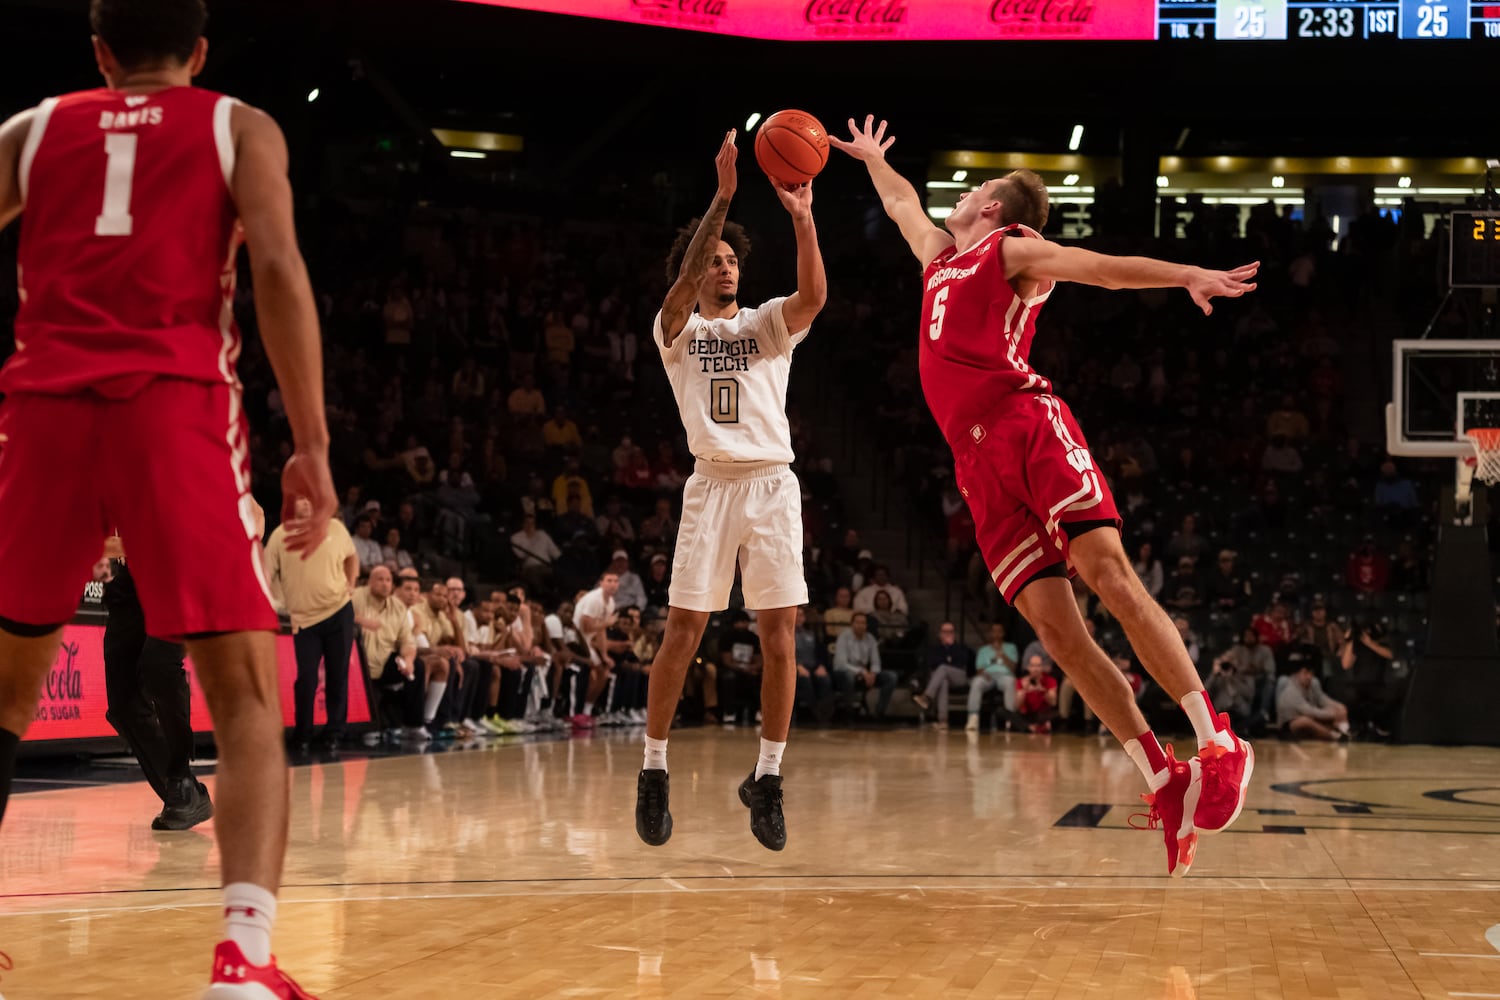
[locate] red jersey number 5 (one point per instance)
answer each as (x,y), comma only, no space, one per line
(935,328)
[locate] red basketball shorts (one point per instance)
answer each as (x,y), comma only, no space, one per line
(169,468)
(1026,471)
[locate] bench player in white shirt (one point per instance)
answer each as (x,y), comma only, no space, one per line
(729,368)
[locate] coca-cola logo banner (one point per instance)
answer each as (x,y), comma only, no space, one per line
(875,20)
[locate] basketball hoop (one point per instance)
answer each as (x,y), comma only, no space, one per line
(1486,442)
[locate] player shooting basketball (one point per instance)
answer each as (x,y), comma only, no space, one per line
(729,367)
(1041,509)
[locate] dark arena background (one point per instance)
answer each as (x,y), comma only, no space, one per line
(485,198)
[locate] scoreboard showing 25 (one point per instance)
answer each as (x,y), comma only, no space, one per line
(1274,20)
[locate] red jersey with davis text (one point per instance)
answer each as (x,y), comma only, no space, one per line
(976,333)
(128,240)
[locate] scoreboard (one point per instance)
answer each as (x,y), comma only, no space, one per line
(1281,20)
(1043,20)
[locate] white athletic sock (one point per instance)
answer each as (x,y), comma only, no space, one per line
(770,758)
(656,755)
(249,915)
(1200,712)
(1341,727)
(435,692)
(588,708)
(1155,777)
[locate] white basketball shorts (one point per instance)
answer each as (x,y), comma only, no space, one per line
(752,515)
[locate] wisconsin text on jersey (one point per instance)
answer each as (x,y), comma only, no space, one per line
(717,355)
(943,274)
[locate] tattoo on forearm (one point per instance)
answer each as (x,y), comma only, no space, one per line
(700,252)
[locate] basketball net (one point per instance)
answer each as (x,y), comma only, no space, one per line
(1486,442)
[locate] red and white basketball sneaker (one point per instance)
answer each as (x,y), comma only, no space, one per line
(1226,776)
(1172,808)
(236,979)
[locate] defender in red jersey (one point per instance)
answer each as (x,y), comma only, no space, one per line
(1042,510)
(122,408)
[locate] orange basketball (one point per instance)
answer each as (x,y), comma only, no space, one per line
(791,147)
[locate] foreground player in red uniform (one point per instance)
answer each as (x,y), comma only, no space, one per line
(1040,507)
(122,408)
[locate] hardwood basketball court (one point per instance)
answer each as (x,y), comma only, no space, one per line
(918,865)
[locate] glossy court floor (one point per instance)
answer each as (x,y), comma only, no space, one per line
(919,865)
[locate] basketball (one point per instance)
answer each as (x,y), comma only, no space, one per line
(791,147)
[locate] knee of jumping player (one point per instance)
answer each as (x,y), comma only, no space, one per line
(1110,575)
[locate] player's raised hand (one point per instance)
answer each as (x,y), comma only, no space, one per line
(306,475)
(1204,285)
(868,143)
(724,164)
(796,197)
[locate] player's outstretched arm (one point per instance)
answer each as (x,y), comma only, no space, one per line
(683,295)
(802,306)
(288,318)
(12,137)
(1039,260)
(897,196)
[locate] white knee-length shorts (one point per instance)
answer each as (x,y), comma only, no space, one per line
(750,515)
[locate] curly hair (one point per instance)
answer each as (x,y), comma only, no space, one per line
(734,235)
(1024,195)
(143,32)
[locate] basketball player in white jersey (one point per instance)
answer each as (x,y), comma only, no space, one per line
(729,367)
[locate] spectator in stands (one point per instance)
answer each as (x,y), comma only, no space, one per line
(865,599)
(1254,660)
(950,664)
(1288,422)
(1148,568)
(1368,570)
(1189,638)
(1183,590)
(365,546)
(1408,569)
(1366,657)
(392,554)
(620,457)
(570,483)
(560,434)
(632,590)
(594,616)
(658,581)
(635,477)
(1274,625)
(856,664)
(659,531)
(1303,710)
(575,523)
(398,314)
(1281,457)
(350,511)
(1394,489)
(1323,634)
(1232,691)
(406,523)
(1186,542)
(814,685)
(1036,696)
(892,627)
(740,668)
(1226,588)
(614,524)
(994,669)
(667,472)
(526,403)
(839,617)
(534,549)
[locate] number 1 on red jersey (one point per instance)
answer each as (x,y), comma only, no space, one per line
(119,177)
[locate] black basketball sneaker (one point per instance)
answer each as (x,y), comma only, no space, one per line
(763,797)
(653,820)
